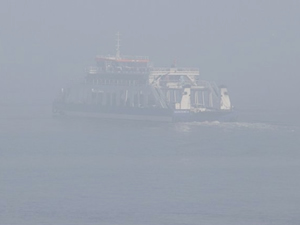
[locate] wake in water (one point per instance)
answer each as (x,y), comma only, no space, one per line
(235,126)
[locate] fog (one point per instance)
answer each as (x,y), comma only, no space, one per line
(251,46)
(60,170)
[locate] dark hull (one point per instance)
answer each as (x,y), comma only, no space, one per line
(150,114)
(217,115)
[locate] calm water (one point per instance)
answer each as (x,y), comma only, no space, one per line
(86,171)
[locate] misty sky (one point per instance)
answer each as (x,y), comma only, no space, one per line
(251,46)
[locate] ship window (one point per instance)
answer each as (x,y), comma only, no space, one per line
(114,99)
(108,99)
(142,100)
(94,95)
(136,100)
(177,96)
(151,100)
(121,98)
(128,102)
(100,98)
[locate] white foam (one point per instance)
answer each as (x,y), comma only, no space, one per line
(235,126)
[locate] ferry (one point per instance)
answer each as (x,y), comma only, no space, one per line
(130,87)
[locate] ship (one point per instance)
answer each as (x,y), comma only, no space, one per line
(130,87)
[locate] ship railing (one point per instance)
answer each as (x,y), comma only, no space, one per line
(123,70)
(135,57)
(175,71)
(170,84)
(201,84)
(130,57)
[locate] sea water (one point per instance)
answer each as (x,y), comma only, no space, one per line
(80,171)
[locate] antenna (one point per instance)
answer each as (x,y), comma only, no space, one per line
(118,45)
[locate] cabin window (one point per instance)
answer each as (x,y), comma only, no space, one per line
(99,98)
(114,99)
(128,102)
(151,101)
(94,96)
(142,100)
(108,99)
(136,100)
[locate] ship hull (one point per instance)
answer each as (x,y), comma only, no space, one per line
(145,114)
(216,115)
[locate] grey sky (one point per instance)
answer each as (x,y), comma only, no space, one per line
(252,46)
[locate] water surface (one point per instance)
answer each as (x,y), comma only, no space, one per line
(84,171)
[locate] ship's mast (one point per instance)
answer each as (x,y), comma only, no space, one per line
(118,46)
